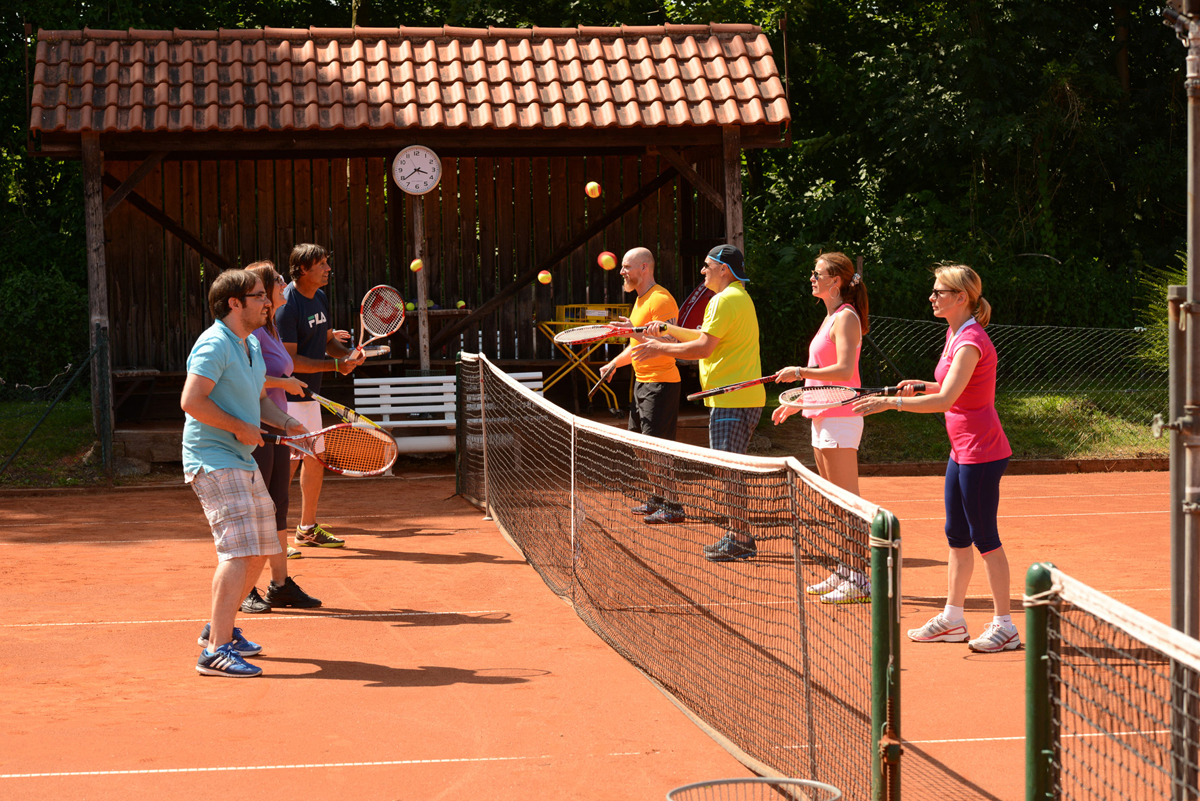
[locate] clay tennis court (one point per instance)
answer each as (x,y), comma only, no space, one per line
(442,667)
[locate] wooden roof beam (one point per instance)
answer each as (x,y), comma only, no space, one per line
(159,216)
(683,168)
(132,181)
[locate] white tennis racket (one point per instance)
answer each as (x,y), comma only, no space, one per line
(351,449)
(583,334)
(830,397)
(381,314)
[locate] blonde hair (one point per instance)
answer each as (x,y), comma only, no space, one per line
(265,270)
(962,278)
(851,286)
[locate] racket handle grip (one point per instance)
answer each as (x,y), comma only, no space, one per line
(918,387)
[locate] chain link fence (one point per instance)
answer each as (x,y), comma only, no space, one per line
(1082,393)
(46,431)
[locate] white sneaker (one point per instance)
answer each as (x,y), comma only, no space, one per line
(938,629)
(827,586)
(996,637)
(848,592)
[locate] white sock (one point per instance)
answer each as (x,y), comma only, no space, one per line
(952,613)
(308,528)
(1003,620)
(857,578)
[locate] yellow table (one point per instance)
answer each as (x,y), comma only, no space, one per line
(573,316)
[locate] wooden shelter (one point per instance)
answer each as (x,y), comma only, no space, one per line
(204,150)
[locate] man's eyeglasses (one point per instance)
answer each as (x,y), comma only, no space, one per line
(255,295)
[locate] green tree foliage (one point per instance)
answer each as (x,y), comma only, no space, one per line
(999,133)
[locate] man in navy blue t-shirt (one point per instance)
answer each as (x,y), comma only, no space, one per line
(303,324)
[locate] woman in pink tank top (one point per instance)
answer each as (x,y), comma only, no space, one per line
(966,392)
(833,360)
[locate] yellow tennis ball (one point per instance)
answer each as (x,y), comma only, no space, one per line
(607,260)
(410,306)
(461,304)
(544,276)
(416,265)
(429,304)
(592,189)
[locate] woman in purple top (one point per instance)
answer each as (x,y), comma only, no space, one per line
(966,391)
(273,459)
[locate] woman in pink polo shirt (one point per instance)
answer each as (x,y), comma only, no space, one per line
(979,452)
(833,360)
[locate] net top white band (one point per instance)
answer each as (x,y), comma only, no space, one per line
(759,464)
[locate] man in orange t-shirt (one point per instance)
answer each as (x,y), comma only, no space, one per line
(655,407)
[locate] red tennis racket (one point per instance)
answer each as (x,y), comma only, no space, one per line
(593,333)
(352,449)
(828,397)
(753,382)
(381,314)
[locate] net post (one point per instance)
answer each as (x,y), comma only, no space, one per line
(1039,720)
(487,511)
(885,657)
(460,428)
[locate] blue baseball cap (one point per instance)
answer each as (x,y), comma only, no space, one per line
(732,258)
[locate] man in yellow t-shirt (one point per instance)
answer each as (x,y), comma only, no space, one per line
(655,407)
(727,347)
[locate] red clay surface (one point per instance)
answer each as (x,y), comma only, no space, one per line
(444,660)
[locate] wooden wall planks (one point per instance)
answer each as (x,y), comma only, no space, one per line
(491,219)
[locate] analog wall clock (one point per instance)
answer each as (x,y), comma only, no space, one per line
(416,170)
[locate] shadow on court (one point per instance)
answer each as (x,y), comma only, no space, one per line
(373,675)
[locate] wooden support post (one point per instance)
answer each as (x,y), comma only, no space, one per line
(418,202)
(731,136)
(97,272)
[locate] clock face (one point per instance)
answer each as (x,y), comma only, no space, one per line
(417,170)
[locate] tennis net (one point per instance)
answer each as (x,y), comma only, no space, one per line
(779,678)
(1113,697)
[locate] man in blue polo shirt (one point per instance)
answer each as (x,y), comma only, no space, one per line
(224,399)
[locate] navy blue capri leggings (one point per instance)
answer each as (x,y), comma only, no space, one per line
(972,498)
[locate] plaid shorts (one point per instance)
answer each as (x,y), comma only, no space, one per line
(730,430)
(240,512)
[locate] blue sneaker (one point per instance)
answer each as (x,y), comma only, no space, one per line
(240,644)
(226,662)
(729,549)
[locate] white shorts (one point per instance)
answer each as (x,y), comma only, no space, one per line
(837,432)
(309,414)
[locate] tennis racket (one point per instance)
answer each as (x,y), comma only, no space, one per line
(381,314)
(827,397)
(753,382)
(593,333)
(351,449)
(344,413)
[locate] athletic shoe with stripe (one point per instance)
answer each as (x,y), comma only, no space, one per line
(996,637)
(827,586)
(651,506)
(938,629)
(240,644)
(848,592)
(226,661)
(254,604)
(294,553)
(669,513)
(729,549)
(317,537)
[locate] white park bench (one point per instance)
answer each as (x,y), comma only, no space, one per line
(400,405)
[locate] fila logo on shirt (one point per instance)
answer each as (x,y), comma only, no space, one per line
(316,319)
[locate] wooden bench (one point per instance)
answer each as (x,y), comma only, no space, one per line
(418,402)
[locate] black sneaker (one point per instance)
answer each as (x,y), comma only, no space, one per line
(290,594)
(729,549)
(254,604)
(649,507)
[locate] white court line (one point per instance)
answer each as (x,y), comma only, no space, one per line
(1063,736)
(198,518)
(1070,514)
(263,618)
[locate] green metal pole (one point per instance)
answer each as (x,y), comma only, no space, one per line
(1039,722)
(885,657)
(460,430)
(105,397)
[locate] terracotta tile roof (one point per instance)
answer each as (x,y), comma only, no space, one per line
(378,78)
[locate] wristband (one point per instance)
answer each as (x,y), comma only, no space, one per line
(335,365)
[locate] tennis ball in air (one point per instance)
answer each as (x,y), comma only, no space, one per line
(410,306)
(461,304)
(592,189)
(416,265)
(607,260)
(544,276)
